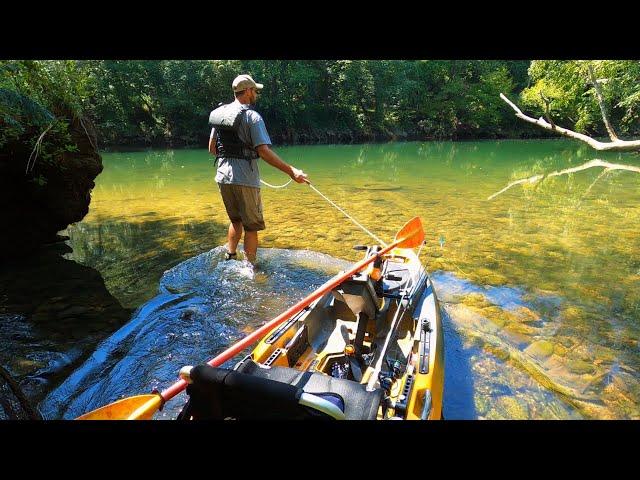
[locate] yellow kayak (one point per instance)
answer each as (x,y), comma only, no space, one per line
(366,345)
(371,348)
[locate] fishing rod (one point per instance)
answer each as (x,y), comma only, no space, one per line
(404,303)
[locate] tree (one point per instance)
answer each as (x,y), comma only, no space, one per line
(581,92)
(38,102)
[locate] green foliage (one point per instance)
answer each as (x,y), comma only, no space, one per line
(150,101)
(572,97)
(168,102)
(17,112)
(39,180)
(458,99)
(42,96)
(57,85)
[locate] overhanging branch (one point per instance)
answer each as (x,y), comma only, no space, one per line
(617,145)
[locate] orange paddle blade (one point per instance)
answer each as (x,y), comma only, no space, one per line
(412,233)
(139,407)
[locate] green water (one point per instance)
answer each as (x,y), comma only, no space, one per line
(568,244)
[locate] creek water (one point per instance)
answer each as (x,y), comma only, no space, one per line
(539,286)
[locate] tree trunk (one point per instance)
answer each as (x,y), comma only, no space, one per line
(603,108)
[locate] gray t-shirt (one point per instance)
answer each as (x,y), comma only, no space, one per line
(239,171)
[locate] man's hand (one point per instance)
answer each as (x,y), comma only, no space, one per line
(274,160)
(299,176)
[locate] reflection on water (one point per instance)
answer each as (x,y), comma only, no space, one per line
(132,254)
(53,312)
(495,367)
(559,258)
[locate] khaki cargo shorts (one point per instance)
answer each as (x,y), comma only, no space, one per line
(243,204)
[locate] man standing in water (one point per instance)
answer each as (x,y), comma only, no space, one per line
(238,138)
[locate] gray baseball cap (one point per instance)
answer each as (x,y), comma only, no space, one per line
(242,82)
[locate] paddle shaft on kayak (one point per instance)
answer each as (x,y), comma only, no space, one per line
(410,235)
(298,307)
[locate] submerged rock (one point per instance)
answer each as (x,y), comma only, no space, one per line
(580,367)
(69,310)
(540,349)
(509,407)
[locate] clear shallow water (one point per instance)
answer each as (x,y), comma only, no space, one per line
(544,304)
(203,305)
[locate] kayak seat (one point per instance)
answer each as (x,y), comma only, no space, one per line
(358,294)
(221,393)
(359,404)
(402,275)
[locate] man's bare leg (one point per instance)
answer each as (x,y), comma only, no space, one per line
(234,235)
(250,245)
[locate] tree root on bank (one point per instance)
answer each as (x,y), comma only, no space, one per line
(593,163)
(24,403)
(36,150)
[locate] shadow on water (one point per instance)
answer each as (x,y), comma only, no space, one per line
(202,306)
(458,401)
(132,255)
(53,312)
(498,354)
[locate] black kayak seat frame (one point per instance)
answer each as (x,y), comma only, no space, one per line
(254,392)
(359,404)
(359,296)
(220,393)
(358,293)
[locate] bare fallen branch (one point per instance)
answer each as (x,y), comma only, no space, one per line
(593,163)
(617,145)
(603,109)
(32,412)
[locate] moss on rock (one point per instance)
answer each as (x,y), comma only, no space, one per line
(540,349)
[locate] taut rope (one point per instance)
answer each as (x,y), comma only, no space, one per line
(362,227)
(384,244)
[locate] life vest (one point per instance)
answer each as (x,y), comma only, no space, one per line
(226,120)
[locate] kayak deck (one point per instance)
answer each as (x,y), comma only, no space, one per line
(316,341)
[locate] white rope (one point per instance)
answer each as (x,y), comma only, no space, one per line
(336,206)
(350,217)
(276,186)
(424,242)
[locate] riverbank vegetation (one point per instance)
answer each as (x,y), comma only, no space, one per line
(582,93)
(139,103)
(168,102)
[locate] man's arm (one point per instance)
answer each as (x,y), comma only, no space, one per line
(274,160)
(212,143)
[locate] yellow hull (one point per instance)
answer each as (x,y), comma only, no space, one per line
(415,390)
